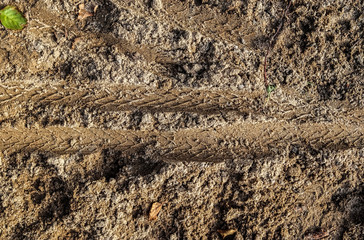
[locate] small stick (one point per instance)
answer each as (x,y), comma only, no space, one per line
(271,44)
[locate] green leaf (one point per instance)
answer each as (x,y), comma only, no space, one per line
(11,18)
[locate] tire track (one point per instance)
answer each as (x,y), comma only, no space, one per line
(16,99)
(125,98)
(250,139)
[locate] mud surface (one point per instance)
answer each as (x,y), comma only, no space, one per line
(108,108)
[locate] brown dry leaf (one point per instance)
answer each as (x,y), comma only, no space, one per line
(153,214)
(83,13)
(225,233)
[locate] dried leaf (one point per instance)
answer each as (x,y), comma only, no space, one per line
(225,233)
(83,13)
(155,209)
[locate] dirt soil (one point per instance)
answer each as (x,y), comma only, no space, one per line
(108,107)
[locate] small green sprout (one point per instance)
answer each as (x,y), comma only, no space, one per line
(12,19)
(270,88)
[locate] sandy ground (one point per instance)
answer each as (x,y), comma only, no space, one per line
(109,108)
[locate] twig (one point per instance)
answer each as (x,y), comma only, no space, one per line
(271,44)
